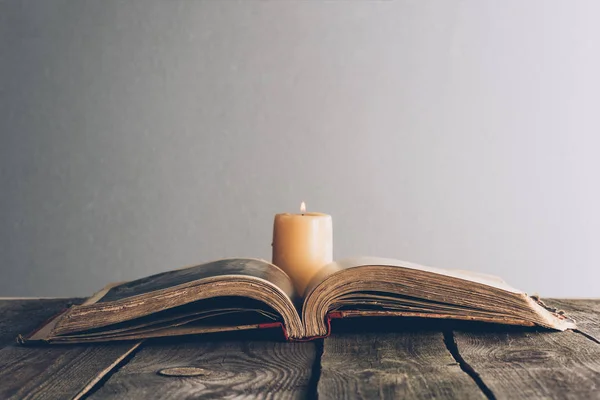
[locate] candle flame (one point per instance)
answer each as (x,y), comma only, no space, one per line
(303,207)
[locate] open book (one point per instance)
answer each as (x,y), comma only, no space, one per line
(238,294)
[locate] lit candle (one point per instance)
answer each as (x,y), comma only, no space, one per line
(302,244)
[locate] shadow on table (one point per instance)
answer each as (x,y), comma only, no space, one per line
(408,324)
(359,325)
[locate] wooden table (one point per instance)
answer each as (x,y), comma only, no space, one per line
(401,358)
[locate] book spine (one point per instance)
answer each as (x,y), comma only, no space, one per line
(270,325)
(328,318)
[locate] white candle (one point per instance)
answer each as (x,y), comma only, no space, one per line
(302,244)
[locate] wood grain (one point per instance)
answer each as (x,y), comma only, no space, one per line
(252,369)
(55,372)
(414,365)
(585,312)
(23,316)
(518,364)
(390,362)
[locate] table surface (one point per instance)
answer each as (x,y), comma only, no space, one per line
(364,358)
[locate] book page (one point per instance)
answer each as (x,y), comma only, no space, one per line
(372,286)
(347,263)
(204,292)
(226,267)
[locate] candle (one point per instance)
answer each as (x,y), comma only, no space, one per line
(302,244)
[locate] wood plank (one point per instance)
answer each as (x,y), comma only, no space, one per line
(249,369)
(525,363)
(586,312)
(406,364)
(49,372)
(23,316)
(56,372)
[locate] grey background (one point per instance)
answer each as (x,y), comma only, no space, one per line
(140,136)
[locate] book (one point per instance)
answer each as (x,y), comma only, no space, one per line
(242,293)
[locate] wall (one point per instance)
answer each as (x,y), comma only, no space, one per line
(142,136)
